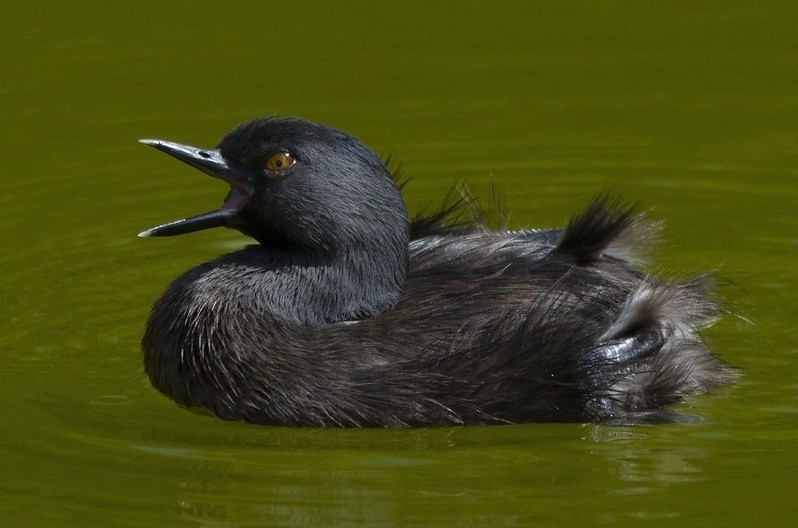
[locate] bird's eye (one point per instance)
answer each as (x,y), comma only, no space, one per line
(278,162)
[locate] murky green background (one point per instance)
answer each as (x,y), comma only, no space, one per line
(689,107)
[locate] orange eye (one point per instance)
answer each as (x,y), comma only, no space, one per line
(278,162)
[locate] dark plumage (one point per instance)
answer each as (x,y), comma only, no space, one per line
(347,314)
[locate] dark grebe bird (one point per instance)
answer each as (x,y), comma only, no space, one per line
(347,314)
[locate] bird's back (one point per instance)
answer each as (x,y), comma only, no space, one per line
(509,327)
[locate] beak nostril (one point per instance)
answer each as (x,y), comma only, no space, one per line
(204,154)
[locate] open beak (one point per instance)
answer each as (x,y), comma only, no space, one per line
(211,162)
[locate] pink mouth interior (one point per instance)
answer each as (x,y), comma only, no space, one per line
(235,200)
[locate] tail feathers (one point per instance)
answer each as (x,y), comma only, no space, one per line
(679,366)
(679,309)
(603,229)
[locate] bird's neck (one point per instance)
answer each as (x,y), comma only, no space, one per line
(317,289)
(303,287)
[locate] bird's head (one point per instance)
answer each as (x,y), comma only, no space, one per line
(296,185)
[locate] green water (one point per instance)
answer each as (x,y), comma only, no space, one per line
(690,108)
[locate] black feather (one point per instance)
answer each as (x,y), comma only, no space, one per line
(347,314)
